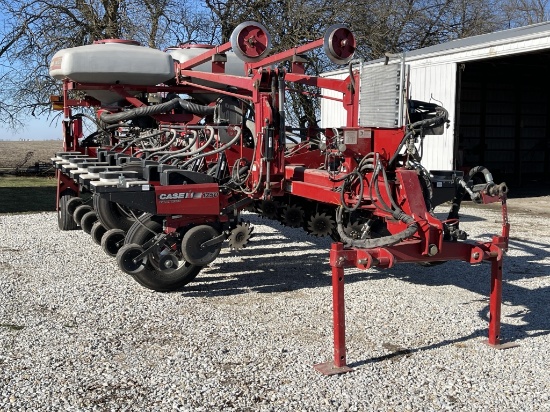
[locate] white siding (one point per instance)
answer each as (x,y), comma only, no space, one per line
(504,47)
(332,111)
(436,84)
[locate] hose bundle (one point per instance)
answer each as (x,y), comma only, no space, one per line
(111,118)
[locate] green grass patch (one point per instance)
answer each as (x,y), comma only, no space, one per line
(26,181)
(27,194)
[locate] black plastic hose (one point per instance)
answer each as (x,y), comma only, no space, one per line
(380,241)
(111,118)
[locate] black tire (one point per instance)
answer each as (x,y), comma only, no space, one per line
(88,221)
(80,211)
(152,277)
(112,241)
(97,232)
(64,220)
(112,215)
(73,203)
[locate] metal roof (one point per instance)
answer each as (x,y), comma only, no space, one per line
(533,31)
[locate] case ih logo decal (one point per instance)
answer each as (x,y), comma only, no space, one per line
(175,197)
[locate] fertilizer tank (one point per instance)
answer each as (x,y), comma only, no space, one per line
(112,62)
(233,66)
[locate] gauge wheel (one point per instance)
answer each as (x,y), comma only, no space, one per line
(153,276)
(97,232)
(127,259)
(80,211)
(112,241)
(88,221)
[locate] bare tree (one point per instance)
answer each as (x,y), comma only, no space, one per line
(523,12)
(34,30)
(393,26)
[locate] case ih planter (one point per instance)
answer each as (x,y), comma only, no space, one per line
(188,139)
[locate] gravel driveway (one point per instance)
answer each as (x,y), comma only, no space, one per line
(78,334)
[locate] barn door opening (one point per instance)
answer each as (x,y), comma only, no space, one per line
(504,112)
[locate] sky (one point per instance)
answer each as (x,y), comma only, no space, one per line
(36,129)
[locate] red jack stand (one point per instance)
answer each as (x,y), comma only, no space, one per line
(364,258)
(338,366)
(495,302)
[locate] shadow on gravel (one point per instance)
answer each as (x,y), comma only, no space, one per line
(533,302)
(533,314)
(268,274)
(398,352)
(272,269)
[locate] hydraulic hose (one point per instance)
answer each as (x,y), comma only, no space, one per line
(111,118)
(380,241)
(218,150)
(440,118)
(204,146)
(159,148)
(462,187)
(166,155)
(128,143)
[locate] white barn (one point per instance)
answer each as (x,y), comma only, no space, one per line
(496,88)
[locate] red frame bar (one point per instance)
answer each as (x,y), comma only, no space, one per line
(287,54)
(204,57)
(495,301)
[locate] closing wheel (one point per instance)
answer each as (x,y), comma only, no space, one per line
(240,236)
(153,276)
(191,245)
(321,224)
(73,203)
(80,211)
(88,221)
(339,44)
(64,220)
(293,216)
(97,232)
(112,241)
(127,261)
(250,41)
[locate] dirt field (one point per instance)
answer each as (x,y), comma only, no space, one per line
(13,153)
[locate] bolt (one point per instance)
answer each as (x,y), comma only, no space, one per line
(475,255)
(168,263)
(432,250)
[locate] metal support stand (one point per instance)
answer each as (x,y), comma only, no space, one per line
(495,303)
(337,366)
(341,258)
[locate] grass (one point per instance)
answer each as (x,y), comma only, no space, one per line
(27,194)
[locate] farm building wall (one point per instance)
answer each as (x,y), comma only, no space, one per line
(496,90)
